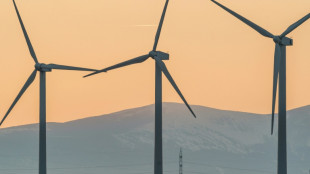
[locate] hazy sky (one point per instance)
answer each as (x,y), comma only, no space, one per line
(216,60)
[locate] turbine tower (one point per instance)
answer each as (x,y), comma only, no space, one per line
(160,67)
(281,42)
(42,68)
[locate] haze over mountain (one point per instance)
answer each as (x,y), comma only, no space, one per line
(217,141)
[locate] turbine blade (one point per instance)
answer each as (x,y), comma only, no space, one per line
(25,87)
(169,77)
(295,25)
(277,57)
(33,54)
(160,26)
(64,67)
(139,59)
(246,21)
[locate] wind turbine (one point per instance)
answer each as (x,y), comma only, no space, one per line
(42,68)
(160,67)
(281,42)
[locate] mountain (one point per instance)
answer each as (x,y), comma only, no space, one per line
(217,142)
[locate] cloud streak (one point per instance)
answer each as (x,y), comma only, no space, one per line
(147,25)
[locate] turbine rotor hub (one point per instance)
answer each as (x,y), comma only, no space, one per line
(153,54)
(277,39)
(283,40)
(42,67)
(161,55)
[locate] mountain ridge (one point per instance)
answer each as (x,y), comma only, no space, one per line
(219,138)
(152,105)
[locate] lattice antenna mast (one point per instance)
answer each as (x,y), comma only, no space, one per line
(180,162)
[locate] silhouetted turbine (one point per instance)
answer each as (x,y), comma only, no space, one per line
(281,42)
(42,68)
(160,67)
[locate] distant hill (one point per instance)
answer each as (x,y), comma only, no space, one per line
(217,142)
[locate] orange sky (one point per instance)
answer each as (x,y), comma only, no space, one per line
(216,60)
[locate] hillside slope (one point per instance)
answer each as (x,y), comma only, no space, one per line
(122,143)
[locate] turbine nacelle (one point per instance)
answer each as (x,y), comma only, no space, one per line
(42,67)
(283,41)
(159,54)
